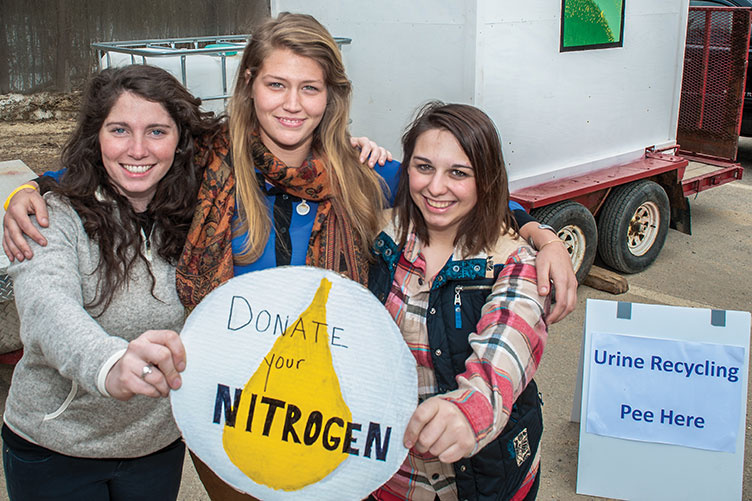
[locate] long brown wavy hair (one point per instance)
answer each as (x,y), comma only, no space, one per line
(357,189)
(90,192)
(479,140)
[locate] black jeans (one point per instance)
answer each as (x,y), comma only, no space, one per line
(37,474)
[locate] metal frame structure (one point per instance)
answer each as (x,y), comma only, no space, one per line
(581,188)
(141,50)
(170,47)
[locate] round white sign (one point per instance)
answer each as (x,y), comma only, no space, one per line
(298,385)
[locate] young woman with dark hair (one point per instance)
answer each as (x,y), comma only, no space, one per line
(86,416)
(461,285)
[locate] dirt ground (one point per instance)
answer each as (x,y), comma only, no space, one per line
(34,128)
(37,143)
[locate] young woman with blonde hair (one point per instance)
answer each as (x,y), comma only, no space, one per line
(301,195)
(356,191)
(290,189)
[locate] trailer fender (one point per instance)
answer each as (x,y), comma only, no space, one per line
(681,216)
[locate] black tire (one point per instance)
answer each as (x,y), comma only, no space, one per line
(575,225)
(632,225)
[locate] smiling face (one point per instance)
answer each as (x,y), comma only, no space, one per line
(138,140)
(289,98)
(442,182)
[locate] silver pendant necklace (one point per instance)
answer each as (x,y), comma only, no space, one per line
(303,208)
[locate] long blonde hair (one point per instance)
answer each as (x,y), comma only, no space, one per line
(356,188)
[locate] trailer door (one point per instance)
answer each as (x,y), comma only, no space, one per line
(715,65)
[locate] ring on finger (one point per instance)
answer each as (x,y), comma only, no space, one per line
(147,369)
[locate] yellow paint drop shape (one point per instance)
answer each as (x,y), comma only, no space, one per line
(292,421)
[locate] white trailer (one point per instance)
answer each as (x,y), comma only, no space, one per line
(586,133)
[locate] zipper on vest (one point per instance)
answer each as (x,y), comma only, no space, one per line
(458,301)
(457,307)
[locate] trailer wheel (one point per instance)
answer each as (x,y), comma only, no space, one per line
(575,225)
(632,226)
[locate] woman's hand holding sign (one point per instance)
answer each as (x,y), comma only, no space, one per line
(438,426)
(151,366)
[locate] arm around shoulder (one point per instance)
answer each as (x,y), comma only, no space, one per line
(22,203)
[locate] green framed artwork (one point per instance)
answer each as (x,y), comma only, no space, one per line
(591,24)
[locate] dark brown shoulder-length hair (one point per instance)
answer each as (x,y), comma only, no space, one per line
(479,139)
(118,232)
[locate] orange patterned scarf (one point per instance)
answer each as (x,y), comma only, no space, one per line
(207,257)
(206,261)
(333,245)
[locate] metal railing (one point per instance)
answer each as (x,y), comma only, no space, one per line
(141,51)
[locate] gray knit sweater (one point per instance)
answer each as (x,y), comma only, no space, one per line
(56,398)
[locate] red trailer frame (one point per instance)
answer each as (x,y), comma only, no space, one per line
(591,189)
(628,235)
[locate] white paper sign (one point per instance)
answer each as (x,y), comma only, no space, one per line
(662,362)
(671,392)
(298,385)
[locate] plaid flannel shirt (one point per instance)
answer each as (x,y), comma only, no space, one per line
(507,348)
